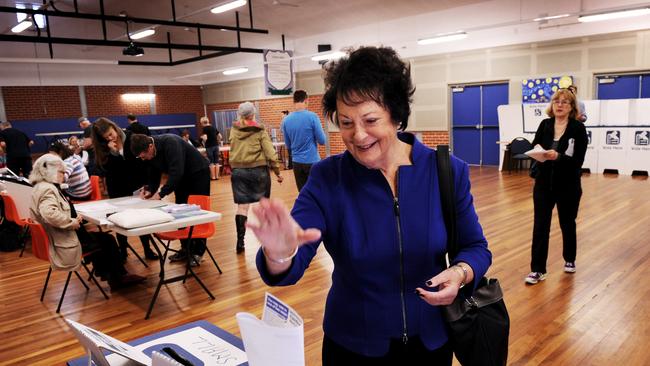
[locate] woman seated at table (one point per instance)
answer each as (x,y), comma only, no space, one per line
(68,238)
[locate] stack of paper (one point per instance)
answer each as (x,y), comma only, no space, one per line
(277,339)
(537,153)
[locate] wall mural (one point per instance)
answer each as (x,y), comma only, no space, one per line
(541,90)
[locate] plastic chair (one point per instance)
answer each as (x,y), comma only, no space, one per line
(96,193)
(41,249)
(518,147)
(11,214)
(95,190)
(202,231)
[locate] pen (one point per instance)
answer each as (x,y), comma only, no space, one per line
(177,357)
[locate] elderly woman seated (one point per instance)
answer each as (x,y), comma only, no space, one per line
(68,238)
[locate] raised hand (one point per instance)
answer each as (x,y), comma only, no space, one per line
(278,232)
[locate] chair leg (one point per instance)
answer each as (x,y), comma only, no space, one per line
(23,237)
(47,279)
(137,255)
(65,288)
(94,279)
(82,280)
(213,260)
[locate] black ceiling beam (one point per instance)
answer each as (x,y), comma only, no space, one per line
(100,42)
(117,18)
(174,63)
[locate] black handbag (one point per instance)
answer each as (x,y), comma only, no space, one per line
(478,324)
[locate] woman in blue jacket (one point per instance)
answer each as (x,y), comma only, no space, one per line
(377,209)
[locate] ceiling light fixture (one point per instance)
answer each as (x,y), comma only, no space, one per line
(138,97)
(551,17)
(328,56)
(142,34)
(238,70)
(614,15)
(443,37)
(228,6)
(26,23)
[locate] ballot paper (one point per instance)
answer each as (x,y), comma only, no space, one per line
(537,153)
(96,342)
(277,339)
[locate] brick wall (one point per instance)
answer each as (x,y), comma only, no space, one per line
(52,102)
(271,115)
(41,102)
(179,99)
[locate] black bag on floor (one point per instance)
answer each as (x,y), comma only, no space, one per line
(478,325)
(10,236)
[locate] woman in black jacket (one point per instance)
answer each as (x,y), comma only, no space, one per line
(124,173)
(557,181)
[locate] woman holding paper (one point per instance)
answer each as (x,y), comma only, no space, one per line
(124,173)
(377,209)
(557,181)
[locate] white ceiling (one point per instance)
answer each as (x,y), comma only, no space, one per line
(489,23)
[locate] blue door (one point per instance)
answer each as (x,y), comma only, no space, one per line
(619,87)
(475,124)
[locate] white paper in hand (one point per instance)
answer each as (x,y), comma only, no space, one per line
(537,153)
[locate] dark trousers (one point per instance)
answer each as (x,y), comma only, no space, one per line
(301,172)
(412,353)
(18,165)
(544,199)
(195,183)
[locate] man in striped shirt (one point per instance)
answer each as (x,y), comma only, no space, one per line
(76,176)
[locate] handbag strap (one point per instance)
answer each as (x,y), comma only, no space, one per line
(447,198)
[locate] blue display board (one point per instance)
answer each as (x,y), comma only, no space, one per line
(541,90)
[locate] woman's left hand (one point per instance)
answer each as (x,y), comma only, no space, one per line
(448,282)
(551,155)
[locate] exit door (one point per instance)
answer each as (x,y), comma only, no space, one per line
(475,124)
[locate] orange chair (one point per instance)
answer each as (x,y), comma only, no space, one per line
(95,190)
(202,231)
(11,214)
(40,247)
(96,194)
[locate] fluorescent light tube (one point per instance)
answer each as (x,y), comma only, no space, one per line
(448,37)
(551,17)
(228,6)
(135,97)
(22,26)
(142,34)
(328,56)
(239,70)
(614,15)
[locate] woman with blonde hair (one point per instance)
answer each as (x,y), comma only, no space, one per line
(251,155)
(557,182)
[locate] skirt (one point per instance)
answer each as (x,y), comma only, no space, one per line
(249,185)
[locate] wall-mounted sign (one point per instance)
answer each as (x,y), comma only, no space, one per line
(278,72)
(541,90)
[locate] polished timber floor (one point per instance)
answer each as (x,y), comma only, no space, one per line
(597,316)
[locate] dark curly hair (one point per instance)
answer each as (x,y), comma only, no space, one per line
(370,73)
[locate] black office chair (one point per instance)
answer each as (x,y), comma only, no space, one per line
(518,147)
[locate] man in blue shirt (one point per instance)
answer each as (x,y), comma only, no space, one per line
(302,131)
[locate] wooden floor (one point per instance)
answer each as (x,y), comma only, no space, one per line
(598,316)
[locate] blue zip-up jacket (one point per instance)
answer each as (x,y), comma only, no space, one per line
(378,263)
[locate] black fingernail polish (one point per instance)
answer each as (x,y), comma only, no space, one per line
(429,283)
(417,292)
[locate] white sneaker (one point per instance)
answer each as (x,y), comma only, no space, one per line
(535,277)
(570,267)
